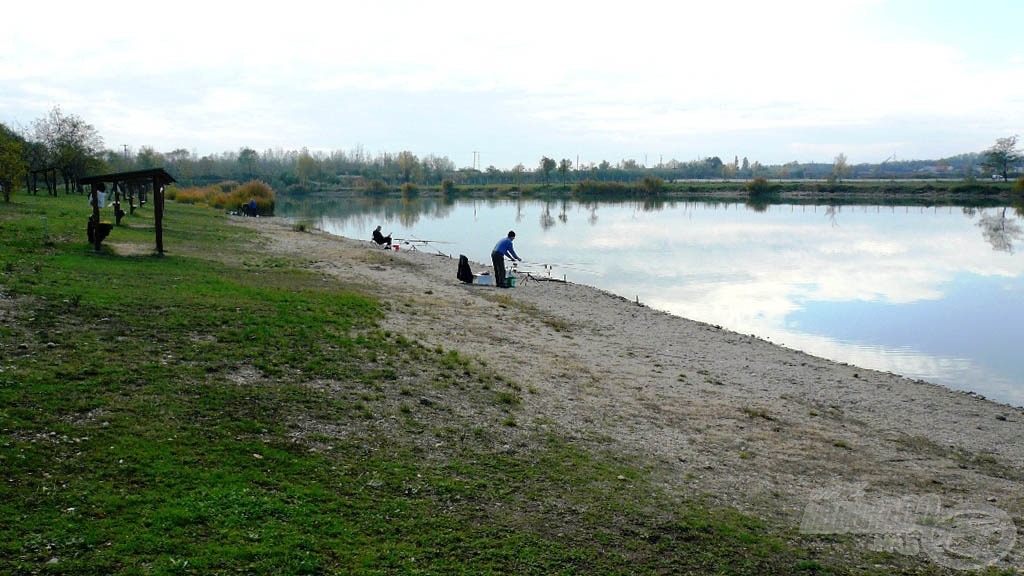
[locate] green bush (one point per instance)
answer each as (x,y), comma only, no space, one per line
(971,188)
(256,190)
(194,194)
(227,195)
(651,185)
(410,189)
(187,195)
(759,186)
(447,186)
(594,188)
(376,187)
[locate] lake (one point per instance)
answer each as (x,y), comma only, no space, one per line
(928,292)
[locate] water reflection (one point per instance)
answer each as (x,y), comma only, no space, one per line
(927,292)
(1000,231)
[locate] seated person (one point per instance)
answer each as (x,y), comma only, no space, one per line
(380,238)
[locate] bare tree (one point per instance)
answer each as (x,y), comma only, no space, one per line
(517,173)
(840,168)
(437,167)
(1002,156)
(148,158)
(546,166)
(305,167)
(247,158)
(73,146)
(180,161)
(408,165)
(563,168)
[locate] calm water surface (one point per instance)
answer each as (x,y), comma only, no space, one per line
(932,293)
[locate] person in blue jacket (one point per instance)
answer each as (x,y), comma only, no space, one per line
(502,249)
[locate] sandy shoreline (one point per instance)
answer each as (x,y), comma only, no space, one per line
(748,422)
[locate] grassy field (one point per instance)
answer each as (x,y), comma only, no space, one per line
(218,411)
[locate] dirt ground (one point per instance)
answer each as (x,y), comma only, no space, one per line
(770,430)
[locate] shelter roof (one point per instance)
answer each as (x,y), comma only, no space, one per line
(151,174)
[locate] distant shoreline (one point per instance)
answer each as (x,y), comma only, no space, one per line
(897,192)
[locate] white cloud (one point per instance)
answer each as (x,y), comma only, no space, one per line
(685,78)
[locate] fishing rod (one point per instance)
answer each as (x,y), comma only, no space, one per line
(579,265)
(559,264)
(529,275)
(418,241)
(414,241)
(549,266)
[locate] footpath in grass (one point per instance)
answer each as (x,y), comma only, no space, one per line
(217,411)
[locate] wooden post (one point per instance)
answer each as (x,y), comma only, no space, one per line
(158,213)
(118,213)
(94,199)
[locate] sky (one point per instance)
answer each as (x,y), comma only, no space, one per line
(498,84)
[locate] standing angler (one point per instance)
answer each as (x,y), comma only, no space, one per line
(501,249)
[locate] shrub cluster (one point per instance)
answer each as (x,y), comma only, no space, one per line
(598,188)
(759,187)
(227,195)
(376,187)
(651,186)
(648,186)
(410,189)
(968,188)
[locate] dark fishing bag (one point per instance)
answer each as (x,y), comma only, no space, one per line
(464,274)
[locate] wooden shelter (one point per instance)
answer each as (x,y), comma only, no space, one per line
(157,178)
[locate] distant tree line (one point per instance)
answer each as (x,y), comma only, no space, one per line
(305,170)
(63,145)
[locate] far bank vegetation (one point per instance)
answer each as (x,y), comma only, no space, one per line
(228,195)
